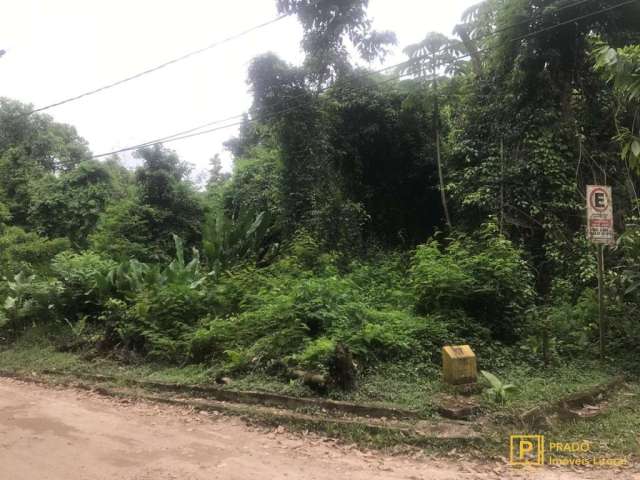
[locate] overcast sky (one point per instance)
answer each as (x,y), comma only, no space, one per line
(60,48)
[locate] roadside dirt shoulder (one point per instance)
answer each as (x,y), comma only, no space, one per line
(51,433)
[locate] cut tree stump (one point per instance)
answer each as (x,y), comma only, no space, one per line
(457,408)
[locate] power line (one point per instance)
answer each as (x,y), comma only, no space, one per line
(193,129)
(172,138)
(490,34)
(190,133)
(157,67)
(409,61)
(247,31)
(213,45)
(530,34)
(506,28)
(233,37)
(529,20)
(552,27)
(576,19)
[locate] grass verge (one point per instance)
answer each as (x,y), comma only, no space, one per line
(614,432)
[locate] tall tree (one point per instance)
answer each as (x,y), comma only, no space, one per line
(428,59)
(621,67)
(32,147)
(164,203)
(537,96)
(283,102)
(70,204)
(329,25)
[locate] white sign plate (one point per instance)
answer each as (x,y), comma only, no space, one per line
(600,214)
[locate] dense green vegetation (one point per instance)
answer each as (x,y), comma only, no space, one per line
(368,216)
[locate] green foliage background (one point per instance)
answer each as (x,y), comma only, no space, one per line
(389,216)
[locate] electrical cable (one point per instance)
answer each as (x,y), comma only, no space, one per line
(156,68)
(190,133)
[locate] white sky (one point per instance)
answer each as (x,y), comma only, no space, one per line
(60,48)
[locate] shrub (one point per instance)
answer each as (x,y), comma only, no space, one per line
(574,326)
(486,276)
(30,300)
(84,277)
(164,305)
(563,328)
(439,281)
(27,251)
(5,216)
(287,312)
(317,354)
(383,281)
(123,232)
(392,335)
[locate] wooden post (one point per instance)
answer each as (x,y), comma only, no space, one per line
(501,184)
(601,307)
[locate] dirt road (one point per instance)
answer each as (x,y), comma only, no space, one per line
(51,434)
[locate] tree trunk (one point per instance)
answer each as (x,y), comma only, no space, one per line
(441,178)
(470,45)
(501,185)
(436,121)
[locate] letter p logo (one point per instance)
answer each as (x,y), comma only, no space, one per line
(526,447)
(526,450)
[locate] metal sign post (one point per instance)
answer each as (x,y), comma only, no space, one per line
(600,231)
(601,315)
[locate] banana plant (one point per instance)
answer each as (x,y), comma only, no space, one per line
(498,390)
(228,240)
(131,277)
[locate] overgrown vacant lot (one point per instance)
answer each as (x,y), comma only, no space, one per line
(368,220)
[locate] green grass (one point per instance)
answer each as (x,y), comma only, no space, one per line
(33,353)
(535,386)
(408,385)
(613,433)
(616,431)
(403,385)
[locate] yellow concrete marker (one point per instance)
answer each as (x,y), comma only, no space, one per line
(459,364)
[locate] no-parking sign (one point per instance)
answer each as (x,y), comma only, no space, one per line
(600,214)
